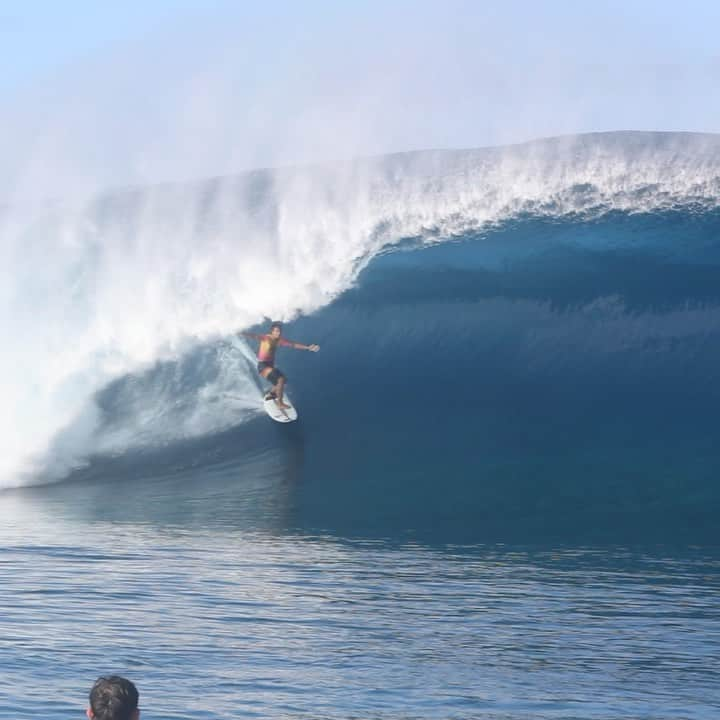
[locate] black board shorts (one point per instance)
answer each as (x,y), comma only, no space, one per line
(274,376)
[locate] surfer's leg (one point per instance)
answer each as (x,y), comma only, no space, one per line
(266,370)
(274,376)
(279,389)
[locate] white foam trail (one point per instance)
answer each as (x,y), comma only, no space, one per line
(206,391)
(92,292)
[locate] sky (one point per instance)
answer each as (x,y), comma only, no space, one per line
(94,95)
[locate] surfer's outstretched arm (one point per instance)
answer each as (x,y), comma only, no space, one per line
(298,346)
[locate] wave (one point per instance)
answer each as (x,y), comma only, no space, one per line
(546,381)
(136,283)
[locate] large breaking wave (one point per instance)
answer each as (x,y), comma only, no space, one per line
(118,313)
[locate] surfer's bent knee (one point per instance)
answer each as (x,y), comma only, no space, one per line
(270,373)
(275,376)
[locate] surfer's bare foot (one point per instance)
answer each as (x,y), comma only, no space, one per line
(282,405)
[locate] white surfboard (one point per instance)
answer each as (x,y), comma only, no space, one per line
(283,415)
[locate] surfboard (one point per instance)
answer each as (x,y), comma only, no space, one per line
(278,414)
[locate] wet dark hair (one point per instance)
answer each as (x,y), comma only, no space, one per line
(113,698)
(276,324)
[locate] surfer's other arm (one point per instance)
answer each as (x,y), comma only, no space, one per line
(299,346)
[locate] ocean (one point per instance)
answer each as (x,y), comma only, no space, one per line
(500,499)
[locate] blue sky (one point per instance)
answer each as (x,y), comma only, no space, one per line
(100,94)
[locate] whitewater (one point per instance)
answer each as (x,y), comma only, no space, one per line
(135,281)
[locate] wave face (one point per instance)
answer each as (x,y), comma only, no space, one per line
(551,379)
(574,309)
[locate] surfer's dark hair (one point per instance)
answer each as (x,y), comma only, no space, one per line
(113,698)
(276,324)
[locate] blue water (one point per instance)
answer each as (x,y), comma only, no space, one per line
(501,501)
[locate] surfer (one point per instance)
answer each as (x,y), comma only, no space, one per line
(266,360)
